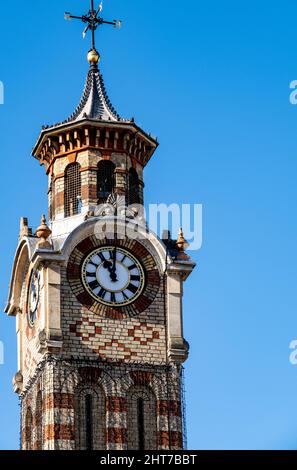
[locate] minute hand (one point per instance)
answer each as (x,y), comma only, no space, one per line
(113,275)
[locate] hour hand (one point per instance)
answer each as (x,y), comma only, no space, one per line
(107,265)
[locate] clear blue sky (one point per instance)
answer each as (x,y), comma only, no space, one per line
(211,79)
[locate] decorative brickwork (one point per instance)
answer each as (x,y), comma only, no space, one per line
(96,380)
(89,405)
(96,185)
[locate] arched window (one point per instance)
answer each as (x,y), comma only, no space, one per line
(38,421)
(142,419)
(52,199)
(133,187)
(90,419)
(140,422)
(105,180)
(72,189)
(28,430)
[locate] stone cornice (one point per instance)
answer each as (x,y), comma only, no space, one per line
(87,134)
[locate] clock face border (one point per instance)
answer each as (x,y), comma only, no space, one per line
(152,277)
(127,254)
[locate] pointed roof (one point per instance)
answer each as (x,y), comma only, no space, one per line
(94,103)
(94,110)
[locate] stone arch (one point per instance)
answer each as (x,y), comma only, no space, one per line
(90,228)
(20,268)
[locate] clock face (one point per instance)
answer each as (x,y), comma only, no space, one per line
(113,276)
(34,296)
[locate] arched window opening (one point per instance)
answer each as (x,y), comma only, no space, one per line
(52,199)
(105,180)
(133,187)
(38,421)
(28,429)
(142,419)
(72,190)
(90,419)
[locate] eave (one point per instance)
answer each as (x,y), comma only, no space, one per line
(129,125)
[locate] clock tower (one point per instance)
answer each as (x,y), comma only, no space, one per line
(96,295)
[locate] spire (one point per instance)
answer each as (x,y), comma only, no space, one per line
(94,103)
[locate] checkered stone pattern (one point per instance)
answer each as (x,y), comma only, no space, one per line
(129,339)
(54,414)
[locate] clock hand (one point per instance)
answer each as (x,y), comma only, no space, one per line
(111,267)
(107,265)
(113,275)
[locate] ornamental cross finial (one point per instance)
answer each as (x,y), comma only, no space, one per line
(93,20)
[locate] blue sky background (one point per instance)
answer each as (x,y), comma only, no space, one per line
(211,79)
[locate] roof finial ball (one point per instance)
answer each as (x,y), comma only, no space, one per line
(93,57)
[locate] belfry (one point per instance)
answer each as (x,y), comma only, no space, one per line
(97,296)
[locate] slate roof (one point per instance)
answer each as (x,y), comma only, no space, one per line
(94,103)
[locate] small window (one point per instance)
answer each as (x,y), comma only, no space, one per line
(142,418)
(105,180)
(90,419)
(72,190)
(140,421)
(52,199)
(38,421)
(133,187)
(28,430)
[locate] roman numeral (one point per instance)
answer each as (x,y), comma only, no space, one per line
(110,254)
(113,297)
(102,257)
(135,278)
(132,288)
(93,264)
(94,284)
(123,259)
(90,274)
(102,293)
(132,267)
(125,296)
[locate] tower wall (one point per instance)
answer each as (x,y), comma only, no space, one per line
(116,359)
(88,160)
(56,422)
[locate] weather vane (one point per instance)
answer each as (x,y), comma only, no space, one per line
(93,20)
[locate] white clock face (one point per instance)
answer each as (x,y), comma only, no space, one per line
(113,276)
(34,296)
